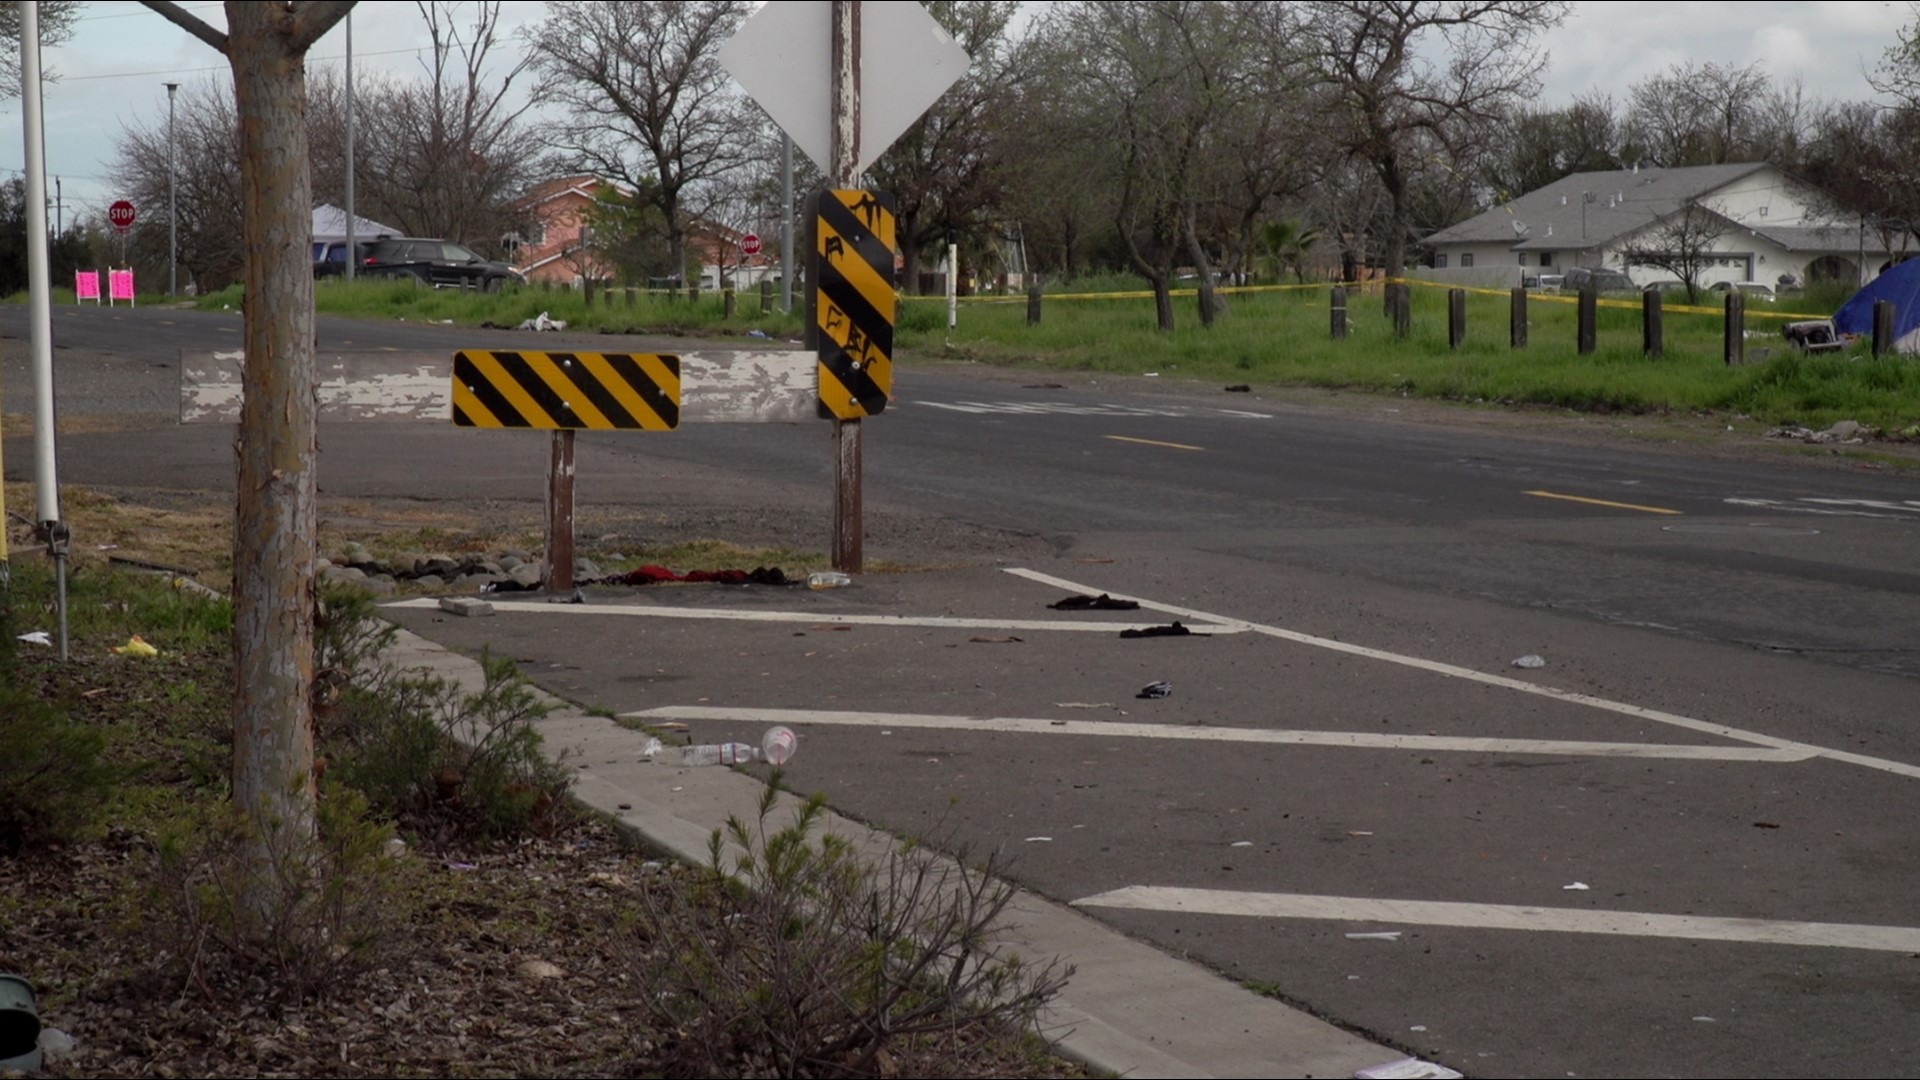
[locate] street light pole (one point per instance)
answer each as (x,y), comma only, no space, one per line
(173,229)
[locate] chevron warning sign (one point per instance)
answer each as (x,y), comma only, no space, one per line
(854,301)
(497,388)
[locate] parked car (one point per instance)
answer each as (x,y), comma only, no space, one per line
(1581,277)
(440,263)
(1665,285)
(1757,290)
(1550,283)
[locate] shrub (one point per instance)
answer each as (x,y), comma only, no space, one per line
(54,778)
(423,751)
(315,913)
(794,956)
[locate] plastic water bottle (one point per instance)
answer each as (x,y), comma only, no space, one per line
(828,579)
(733,753)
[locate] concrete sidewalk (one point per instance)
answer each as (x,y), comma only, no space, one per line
(1129,1009)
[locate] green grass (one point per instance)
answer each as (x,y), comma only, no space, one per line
(1282,338)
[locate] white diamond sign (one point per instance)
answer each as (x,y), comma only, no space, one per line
(783,56)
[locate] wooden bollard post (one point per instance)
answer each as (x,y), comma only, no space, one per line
(726,303)
(1456,318)
(629,297)
(586,289)
(1734,346)
(1402,309)
(693,294)
(1517,319)
(1033,303)
(546,285)
(1883,312)
(1589,320)
(766,297)
(1339,313)
(1653,333)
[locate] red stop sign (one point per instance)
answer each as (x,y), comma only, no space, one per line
(121,215)
(750,244)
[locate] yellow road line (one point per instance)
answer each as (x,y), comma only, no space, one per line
(1603,502)
(1154,442)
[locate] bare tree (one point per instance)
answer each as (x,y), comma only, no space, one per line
(646,102)
(446,156)
(1536,146)
(1683,244)
(275,526)
(1711,114)
(56,25)
(1407,80)
(205,170)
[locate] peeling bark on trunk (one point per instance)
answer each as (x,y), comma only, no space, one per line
(274,518)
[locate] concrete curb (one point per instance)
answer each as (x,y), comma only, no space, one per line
(1129,1009)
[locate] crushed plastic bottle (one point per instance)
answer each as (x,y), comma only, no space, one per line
(1530,660)
(828,579)
(733,753)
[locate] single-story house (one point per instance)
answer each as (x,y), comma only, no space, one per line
(1773,228)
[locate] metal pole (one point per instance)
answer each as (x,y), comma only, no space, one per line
(173,231)
(786,222)
(847,518)
(350,255)
(40,306)
(953,285)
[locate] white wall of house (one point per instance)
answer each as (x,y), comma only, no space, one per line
(1764,198)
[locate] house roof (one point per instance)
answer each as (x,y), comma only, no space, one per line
(1592,209)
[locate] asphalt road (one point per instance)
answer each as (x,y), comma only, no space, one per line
(1681,847)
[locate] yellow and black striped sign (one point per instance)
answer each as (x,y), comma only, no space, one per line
(854,301)
(498,388)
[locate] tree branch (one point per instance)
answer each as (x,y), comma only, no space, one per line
(179,17)
(311,21)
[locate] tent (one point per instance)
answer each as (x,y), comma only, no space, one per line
(1901,285)
(330,227)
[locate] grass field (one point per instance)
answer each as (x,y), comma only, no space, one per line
(1283,338)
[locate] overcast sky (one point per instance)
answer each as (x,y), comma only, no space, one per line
(113,71)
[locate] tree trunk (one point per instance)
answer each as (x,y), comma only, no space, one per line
(1212,304)
(274,519)
(1162,303)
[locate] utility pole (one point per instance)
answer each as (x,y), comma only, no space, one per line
(40,310)
(848,555)
(786,222)
(173,230)
(350,255)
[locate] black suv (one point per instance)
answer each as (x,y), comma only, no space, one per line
(440,263)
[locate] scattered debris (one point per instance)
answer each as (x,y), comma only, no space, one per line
(1039,839)
(1530,661)
(577,597)
(1239,388)
(539,969)
(136,646)
(1103,602)
(1156,690)
(1847,432)
(36,637)
(652,750)
(828,579)
(1094,561)
(1083,704)
(541,322)
(778,744)
(757,333)
(825,626)
(1578,886)
(1359,832)
(1705,1020)
(1176,630)
(1766,824)
(465,605)
(1408,1069)
(55,1045)
(650,574)
(1376,935)
(986,639)
(1241,843)
(1044,386)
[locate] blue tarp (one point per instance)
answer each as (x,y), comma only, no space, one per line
(1901,284)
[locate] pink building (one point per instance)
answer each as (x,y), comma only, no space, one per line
(551,249)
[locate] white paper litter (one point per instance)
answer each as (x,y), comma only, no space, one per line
(1377,935)
(36,637)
